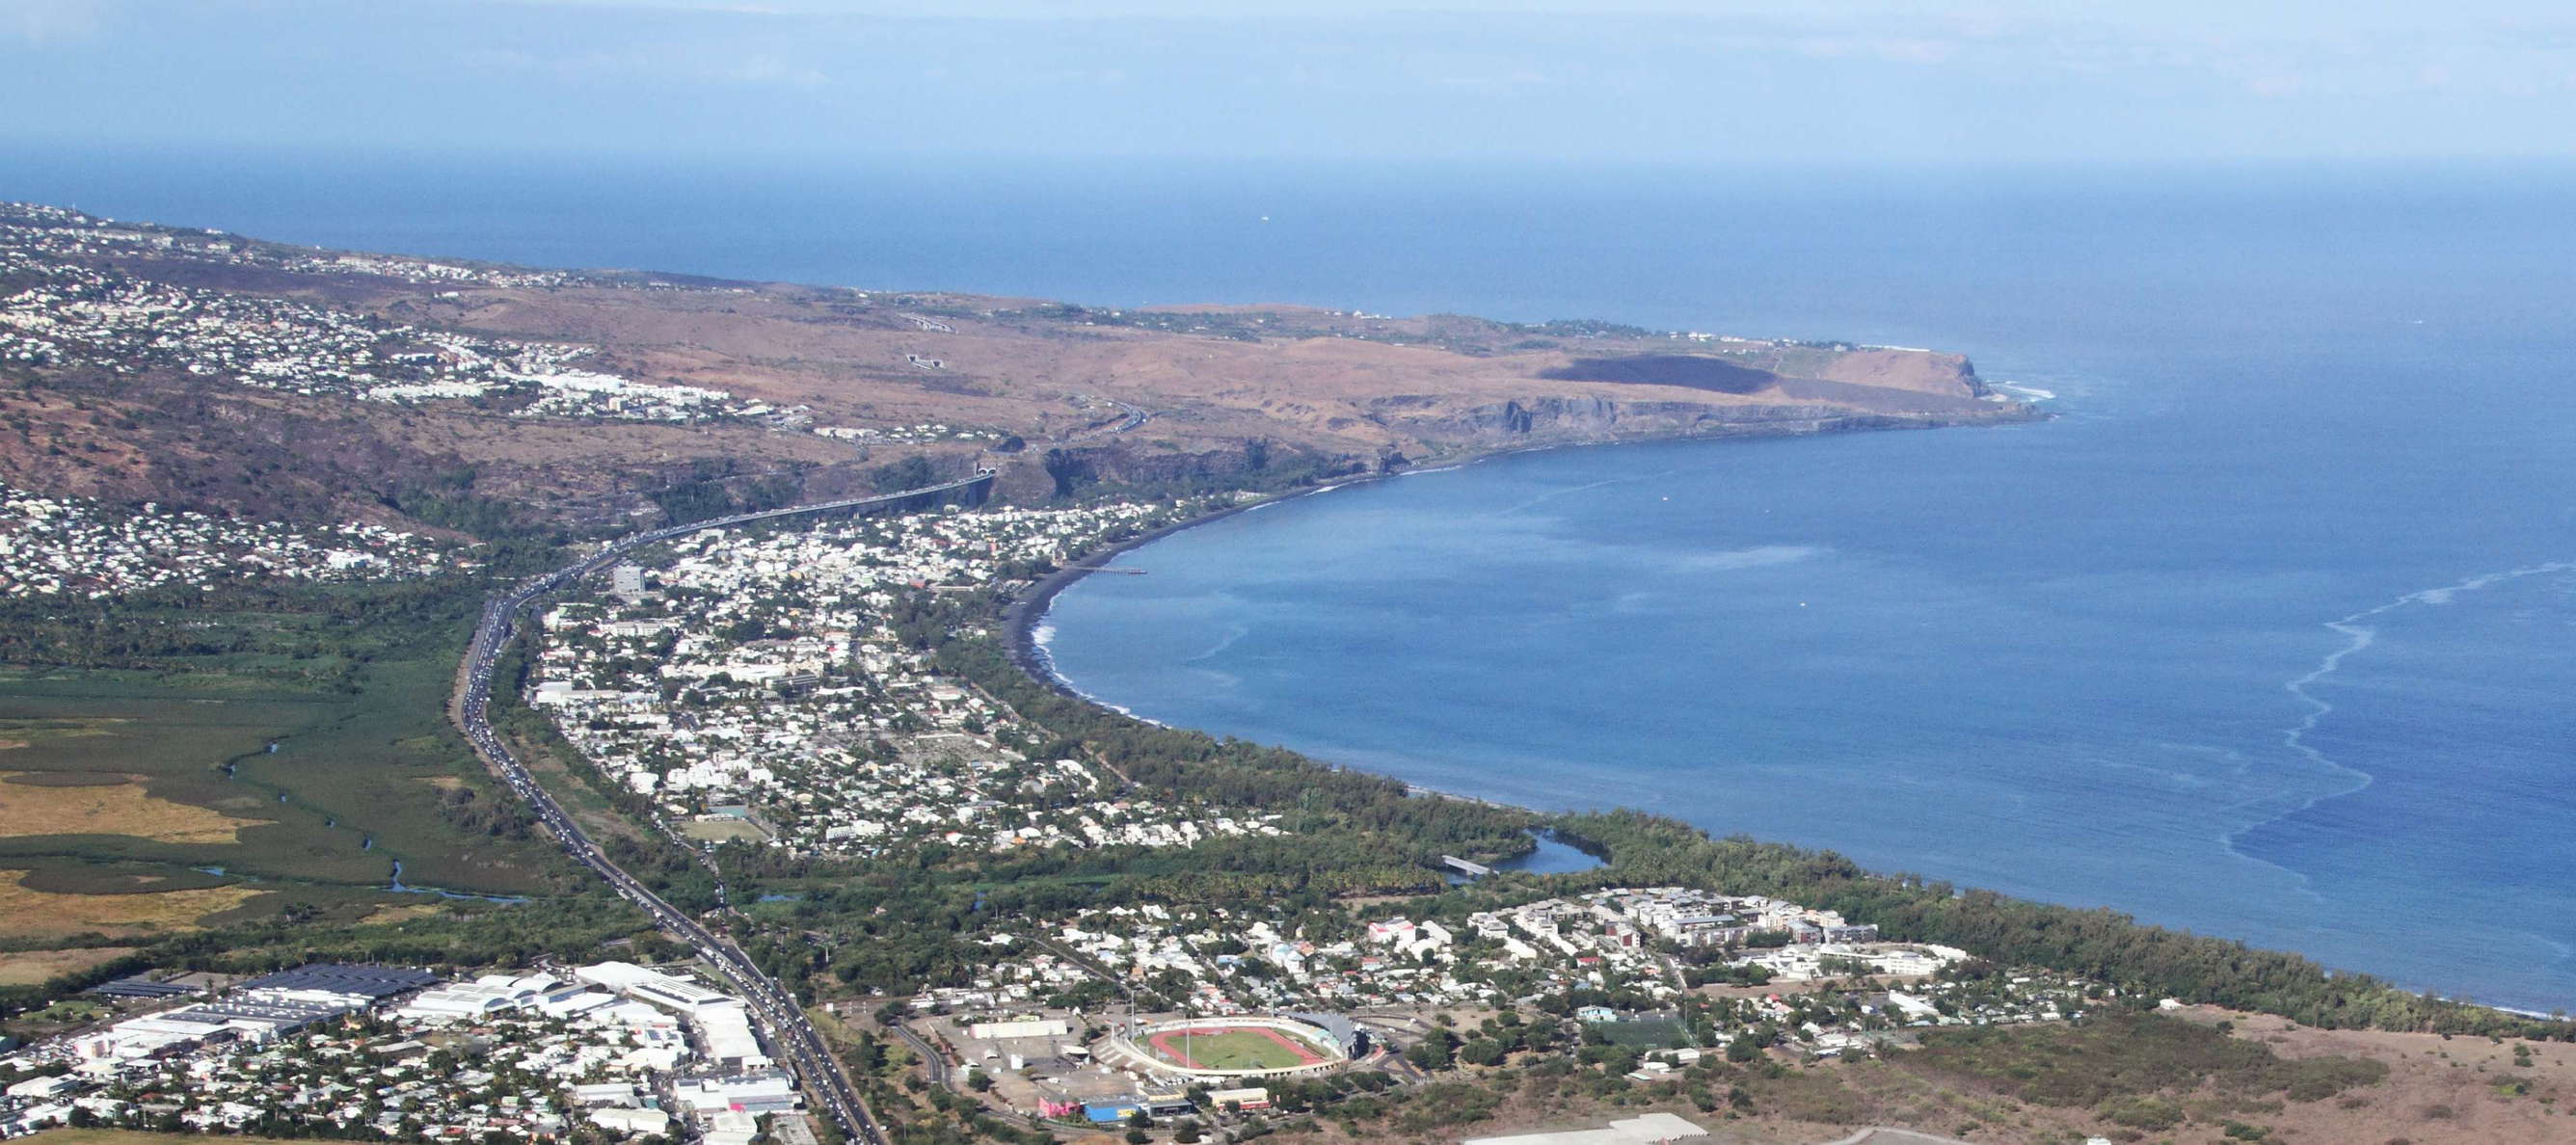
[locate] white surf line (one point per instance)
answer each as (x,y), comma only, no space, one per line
(2358,636)
(1605,483)
(1234,633)
(2034,393)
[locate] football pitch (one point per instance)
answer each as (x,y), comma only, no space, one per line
(1232,1047)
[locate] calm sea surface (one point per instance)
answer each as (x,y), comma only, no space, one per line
(2268,634)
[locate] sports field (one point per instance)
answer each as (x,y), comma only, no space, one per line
(1232,1047)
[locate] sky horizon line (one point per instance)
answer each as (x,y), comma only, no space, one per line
(1713,80)
(513,151)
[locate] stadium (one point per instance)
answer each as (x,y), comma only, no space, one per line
(1217,1049)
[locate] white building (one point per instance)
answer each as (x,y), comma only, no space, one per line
(654,986)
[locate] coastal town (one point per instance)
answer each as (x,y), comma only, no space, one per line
(771,688)
(783,833)
(758,688)
(737,679)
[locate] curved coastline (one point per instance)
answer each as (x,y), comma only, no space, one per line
(1024,616)
(1029,613)
(1022,619)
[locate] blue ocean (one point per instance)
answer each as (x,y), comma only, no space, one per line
(2266,634)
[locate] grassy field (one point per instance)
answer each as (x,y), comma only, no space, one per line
(33,913)
(1233,1049)
(210,769)
(106,803)
(131,1137)
(28,968)
(724,830)
(205,767)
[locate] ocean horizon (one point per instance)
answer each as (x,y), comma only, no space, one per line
(2264,634)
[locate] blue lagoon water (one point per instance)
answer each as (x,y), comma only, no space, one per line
(2267,634)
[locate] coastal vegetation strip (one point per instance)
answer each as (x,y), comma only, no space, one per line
(2142,959)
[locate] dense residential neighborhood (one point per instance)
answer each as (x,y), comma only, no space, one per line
(1212,959)
(68,312)
(757,687)
(52,546)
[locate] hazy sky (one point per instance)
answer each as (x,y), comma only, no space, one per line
(1641,80)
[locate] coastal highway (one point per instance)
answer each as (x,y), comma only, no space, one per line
(771,1004)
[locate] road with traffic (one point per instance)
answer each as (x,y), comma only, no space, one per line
(772,1005)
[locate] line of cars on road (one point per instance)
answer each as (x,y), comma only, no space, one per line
(777,1010)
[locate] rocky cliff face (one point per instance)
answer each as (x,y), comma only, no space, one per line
(1558,420)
